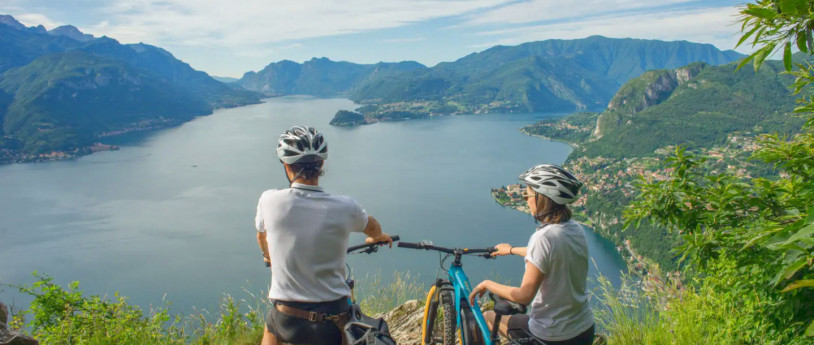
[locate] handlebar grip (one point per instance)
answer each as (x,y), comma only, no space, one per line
(410,245)
(360,246)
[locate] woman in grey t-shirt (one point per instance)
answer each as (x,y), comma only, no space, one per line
(556,260)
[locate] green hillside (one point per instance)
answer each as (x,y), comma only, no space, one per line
(61,90)
(714,110)
(697,112)
(318,77)
(553,75)
(62,100)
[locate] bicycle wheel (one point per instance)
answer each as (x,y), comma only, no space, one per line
(438,329)
(470,331)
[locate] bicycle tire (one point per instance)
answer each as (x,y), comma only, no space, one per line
(432,332)
(470,331)
(450,318)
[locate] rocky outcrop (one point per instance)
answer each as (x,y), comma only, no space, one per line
(405,322)
(650,89)
(9,337)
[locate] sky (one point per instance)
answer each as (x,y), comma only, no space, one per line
(231,37)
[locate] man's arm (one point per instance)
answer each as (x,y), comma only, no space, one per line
(374,233)
(264,246)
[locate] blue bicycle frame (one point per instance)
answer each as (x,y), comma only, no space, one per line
(462,290)
(461,287)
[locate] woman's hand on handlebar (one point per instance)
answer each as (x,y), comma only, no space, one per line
(383,237)
(502,249)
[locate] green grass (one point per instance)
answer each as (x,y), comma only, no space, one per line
(67,316)
(677,315)
(376,297)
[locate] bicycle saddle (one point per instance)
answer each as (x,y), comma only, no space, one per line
(505,307)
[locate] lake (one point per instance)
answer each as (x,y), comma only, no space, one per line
(169,217)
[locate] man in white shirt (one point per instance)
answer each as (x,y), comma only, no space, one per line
(303,234)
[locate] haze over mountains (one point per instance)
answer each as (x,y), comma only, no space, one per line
(61,89)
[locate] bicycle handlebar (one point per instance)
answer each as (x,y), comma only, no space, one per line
(372,245)
(428,246)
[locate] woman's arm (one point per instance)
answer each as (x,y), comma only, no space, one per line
(523,294)
(507,249)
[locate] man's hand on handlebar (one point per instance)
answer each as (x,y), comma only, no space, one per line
(381,238)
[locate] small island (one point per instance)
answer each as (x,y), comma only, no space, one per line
(345,118)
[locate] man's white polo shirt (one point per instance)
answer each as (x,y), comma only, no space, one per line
(307,233)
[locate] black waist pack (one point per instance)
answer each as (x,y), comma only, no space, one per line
(365,330)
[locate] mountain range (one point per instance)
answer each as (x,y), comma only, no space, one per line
(62,89)
(552,75)
(320,77)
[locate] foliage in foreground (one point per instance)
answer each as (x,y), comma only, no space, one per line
(66,316)
(750,242)
(707,312)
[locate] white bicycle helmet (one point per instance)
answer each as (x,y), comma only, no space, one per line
(552,181)
(301,144)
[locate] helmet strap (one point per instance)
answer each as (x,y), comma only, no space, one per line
(296,177)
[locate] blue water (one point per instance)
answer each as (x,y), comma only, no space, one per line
(169,217)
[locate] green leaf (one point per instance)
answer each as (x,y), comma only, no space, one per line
(788,7)
(801,41)
(762,54)
(762,13)
(787,56)
(799,284)
(745,61)
(790,270)
(810,330)
(748,34)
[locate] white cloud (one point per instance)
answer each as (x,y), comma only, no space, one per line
(403,40)
(544,10)
(34,19)
(710,25)
(253,22)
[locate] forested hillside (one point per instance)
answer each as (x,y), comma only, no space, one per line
(713,110)
(553,75)
(60,90)
(319,77)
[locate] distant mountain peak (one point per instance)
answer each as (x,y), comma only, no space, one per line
(71,32)
(6,19)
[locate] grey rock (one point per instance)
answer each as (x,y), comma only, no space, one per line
(8,336)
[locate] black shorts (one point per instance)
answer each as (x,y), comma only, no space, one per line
(294,330)
(519,331)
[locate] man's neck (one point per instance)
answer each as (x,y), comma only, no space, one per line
(313,182)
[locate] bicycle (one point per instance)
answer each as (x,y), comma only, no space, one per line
(451,295)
